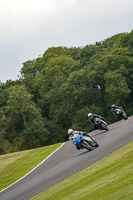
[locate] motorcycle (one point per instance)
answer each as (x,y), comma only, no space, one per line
(87,142)
(119,113)
(101,124)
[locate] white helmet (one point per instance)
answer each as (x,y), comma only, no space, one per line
(113,106)
(90,114)
(70,131)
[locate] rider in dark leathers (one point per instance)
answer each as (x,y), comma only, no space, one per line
(92,118)
(114,107)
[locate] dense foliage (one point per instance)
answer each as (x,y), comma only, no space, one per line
(56,91)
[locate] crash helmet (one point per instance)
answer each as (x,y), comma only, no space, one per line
(70,132)
(113,106)
(90,115)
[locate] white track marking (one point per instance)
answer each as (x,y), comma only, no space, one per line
(32,169)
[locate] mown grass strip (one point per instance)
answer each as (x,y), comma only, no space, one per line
(110,178)
(13,166)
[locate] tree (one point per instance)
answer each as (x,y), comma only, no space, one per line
(56,73)
(24,127)
(116,87)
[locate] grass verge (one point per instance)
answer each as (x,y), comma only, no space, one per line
(110,178)
(15,165)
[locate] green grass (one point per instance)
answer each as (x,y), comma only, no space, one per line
(108,179)
(15,165)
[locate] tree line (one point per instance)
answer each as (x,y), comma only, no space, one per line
(56,91)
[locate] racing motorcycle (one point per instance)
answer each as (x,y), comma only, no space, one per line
(101,124)
(119,113)
(85,141)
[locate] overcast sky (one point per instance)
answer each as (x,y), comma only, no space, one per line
(29,27)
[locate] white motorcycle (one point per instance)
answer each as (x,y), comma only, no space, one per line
(119,113)
(101,124)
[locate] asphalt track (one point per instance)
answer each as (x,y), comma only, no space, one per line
(68,161)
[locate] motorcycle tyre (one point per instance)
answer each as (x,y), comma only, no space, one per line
(124,116)
(95,144)
(104,127)
(86,145)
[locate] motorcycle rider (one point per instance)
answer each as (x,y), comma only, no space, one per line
(73,134)
(114,107)
(92,118)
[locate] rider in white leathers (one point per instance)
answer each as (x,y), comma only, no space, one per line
(73,134)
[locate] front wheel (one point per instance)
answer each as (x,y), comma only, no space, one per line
(94,143)
(86,145)
(104,126)
(124,116)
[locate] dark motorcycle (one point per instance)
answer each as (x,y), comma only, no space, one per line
(101,124)
(119,113)
(85,141)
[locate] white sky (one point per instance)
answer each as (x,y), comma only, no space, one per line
(29,27)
